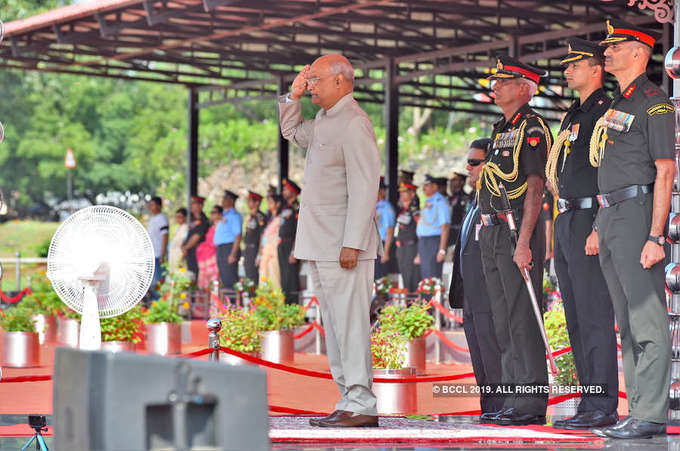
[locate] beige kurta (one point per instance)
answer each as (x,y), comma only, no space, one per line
(337,209)
(175,257)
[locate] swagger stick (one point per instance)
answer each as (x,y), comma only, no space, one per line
(510,215)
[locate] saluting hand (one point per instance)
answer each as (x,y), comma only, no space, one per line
(652,254)
(522,258)
(592,244)
(349,257)
(299,85)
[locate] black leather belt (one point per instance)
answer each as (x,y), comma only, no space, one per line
(615,197)
(580,203)
(494,219)
(405,243)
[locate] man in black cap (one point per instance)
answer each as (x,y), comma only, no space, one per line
(634,148)
(587,305)
(407,239)
(468,291)
(432,230)
(289,266)
(521,140)
(254,227)
(228,240)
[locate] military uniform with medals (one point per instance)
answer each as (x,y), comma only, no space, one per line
(519,149)
(637,129)
(587,304)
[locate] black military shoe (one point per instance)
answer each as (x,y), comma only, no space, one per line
(589,420)
(621,424)
(514,418)
(490,417)
(635,429)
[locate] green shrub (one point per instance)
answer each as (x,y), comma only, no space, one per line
(388,349)
(240,330)
(162,312)
(410,322)
(272,311)
(17,319)
(558,337)
(126,327)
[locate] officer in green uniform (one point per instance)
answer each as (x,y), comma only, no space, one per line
(587,304)
(254,227)
(521,140)
(289,266)
(407,240)
(634,147)
(407,177)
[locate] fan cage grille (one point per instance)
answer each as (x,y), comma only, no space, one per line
(107,239)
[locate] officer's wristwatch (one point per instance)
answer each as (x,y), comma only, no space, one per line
(660,240)
(442,251)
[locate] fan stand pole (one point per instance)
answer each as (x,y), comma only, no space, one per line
(90,328)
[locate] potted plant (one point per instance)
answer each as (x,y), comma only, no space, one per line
(428,287)
(388,349)
(240,332)
(68,326)
(122,332)
(45,307)
(163,328)
(245,290)
(277,320)
(412,323)
(20,342)
(558,337)
(382,288)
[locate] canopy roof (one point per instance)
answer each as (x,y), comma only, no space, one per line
(438,50)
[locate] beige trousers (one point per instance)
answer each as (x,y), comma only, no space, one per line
(345,298)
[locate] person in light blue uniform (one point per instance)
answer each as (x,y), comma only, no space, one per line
(228,240)
(386,218)
(433,230)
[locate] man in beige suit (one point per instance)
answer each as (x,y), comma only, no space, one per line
(336,231)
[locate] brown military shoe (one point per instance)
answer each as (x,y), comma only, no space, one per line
(315,421)
(350,420)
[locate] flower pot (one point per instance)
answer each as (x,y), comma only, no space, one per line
(164,338)
(564,409)
(118,346)
(416,353)
(68,331)
(278,346)
(236,361)
(20,349)
(46,326)
(396,397)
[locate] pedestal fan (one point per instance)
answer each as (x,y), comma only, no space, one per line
(100,263)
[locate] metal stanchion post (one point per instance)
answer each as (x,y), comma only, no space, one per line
(214,297)
(214,325)
(317,332)
(437,321)
(18,269)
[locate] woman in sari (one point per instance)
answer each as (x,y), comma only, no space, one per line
(268,260)
(176,256)
(206,253)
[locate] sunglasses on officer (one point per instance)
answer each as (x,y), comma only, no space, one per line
(474,161)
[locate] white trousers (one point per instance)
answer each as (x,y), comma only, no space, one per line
(345,298)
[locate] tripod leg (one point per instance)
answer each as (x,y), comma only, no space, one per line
(43,445)
(25,447)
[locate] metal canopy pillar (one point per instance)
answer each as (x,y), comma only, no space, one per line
(192,144)
(283,147)
(391,132)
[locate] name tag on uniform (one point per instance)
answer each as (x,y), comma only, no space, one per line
(404,219)
(573,136)
(286,213)
(618,120)
(506,139)
(252,224)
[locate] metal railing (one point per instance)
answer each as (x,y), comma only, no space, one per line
(17,261)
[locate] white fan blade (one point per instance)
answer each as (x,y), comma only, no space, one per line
(90,329)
